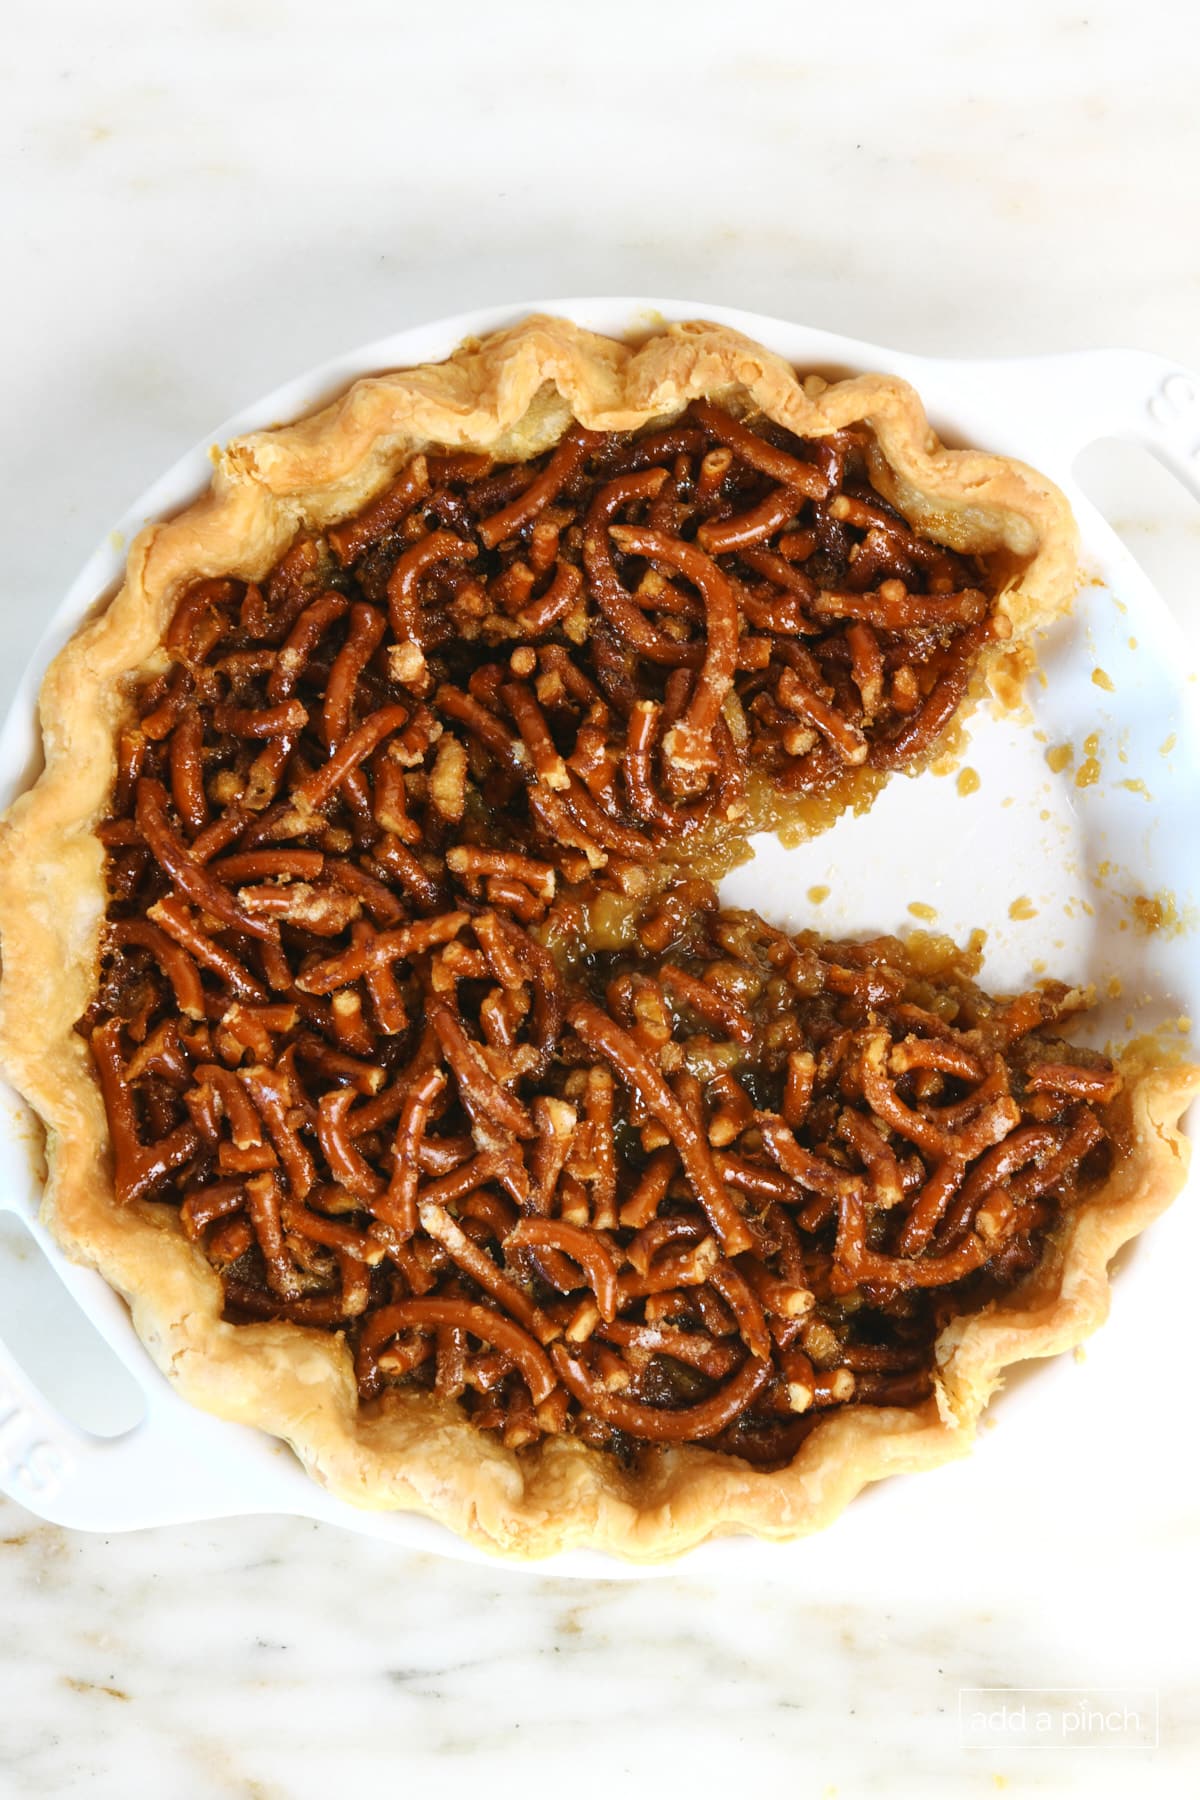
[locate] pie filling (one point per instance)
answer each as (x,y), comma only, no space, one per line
(417,1003)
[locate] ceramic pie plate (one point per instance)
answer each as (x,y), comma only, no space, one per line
(1066,832)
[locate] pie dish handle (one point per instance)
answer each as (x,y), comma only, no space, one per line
(175,1464)
(1067,402)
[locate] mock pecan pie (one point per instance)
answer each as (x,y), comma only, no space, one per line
(415,1085)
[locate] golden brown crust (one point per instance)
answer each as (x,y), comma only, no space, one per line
(512,395)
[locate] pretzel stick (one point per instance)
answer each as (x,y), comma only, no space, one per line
(658,1424)
(607,1039)
(583,1246)
(464,1315)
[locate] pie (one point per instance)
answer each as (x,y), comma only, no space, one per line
(398,1061)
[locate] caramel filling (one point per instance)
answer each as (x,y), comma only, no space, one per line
(418,1007)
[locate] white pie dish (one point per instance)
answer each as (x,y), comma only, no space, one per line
(1041,838)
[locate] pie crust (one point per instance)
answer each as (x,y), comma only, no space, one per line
(512,395)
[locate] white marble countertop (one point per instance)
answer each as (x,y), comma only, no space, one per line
(200,201)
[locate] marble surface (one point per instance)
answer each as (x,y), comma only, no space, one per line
(201,200)
(266,1659)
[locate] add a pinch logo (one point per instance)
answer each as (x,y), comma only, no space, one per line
(1091,1718)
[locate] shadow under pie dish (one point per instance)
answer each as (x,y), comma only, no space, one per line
(416,1090)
